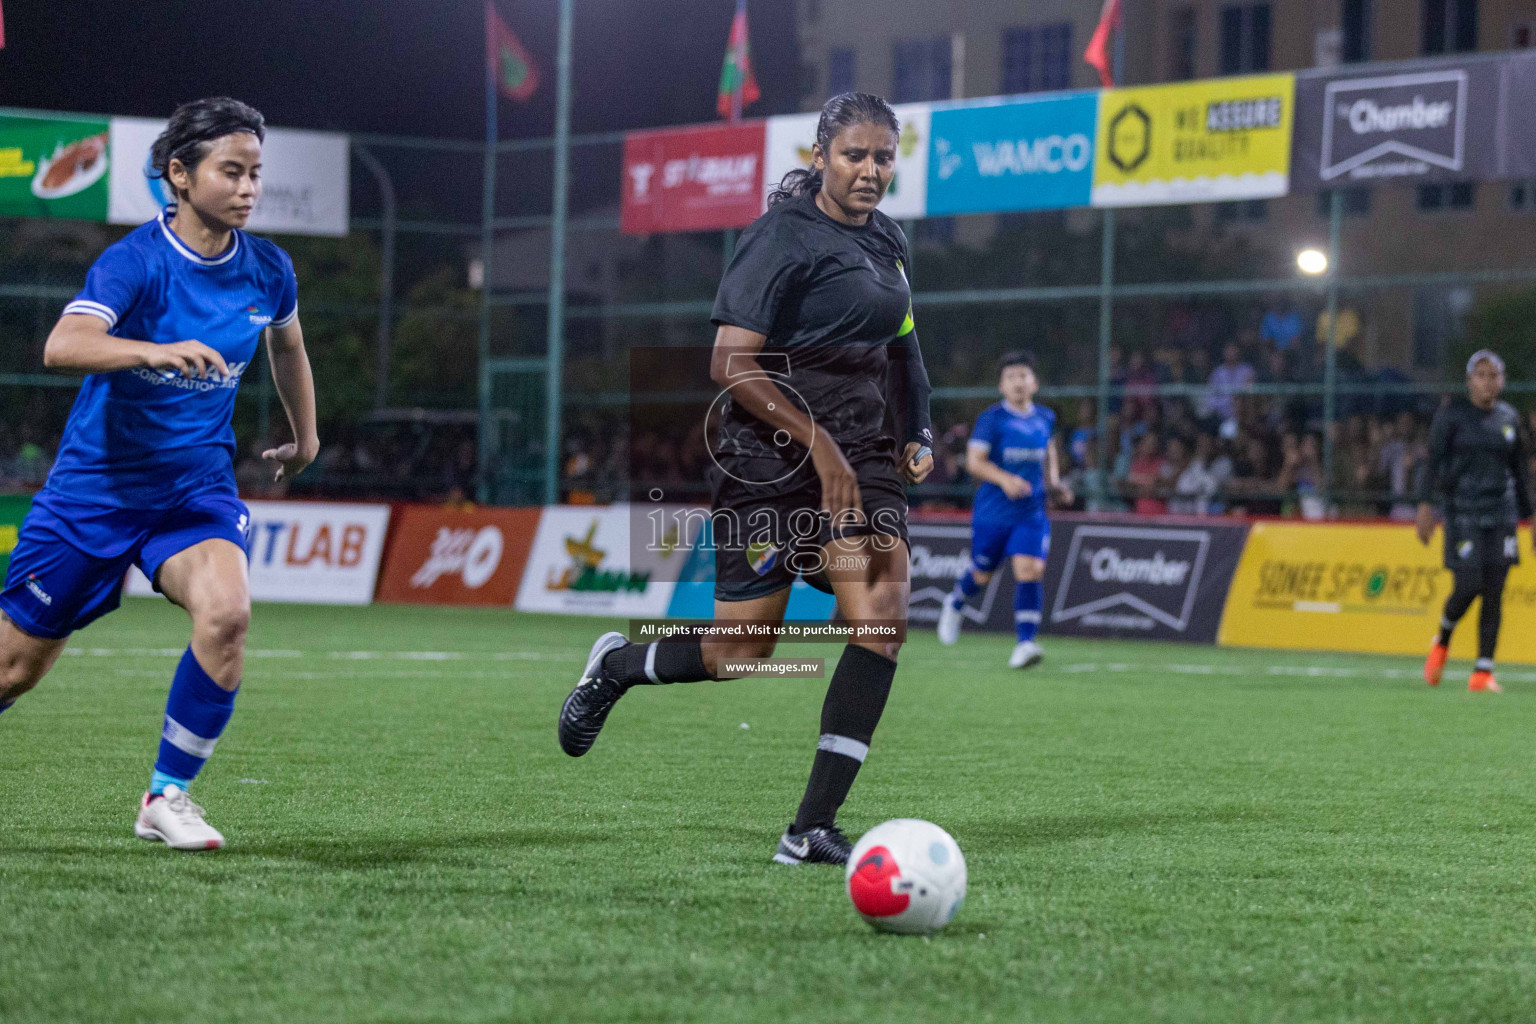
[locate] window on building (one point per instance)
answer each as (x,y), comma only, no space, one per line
(839,72)
(1244,38)
(1439,316)
(922,69)
(1355,28)
(1184,37)
(1459,195)
(1245,210)
(1357,201)
(1522,35)
(1450,26)
(1037,58)
(1522,195)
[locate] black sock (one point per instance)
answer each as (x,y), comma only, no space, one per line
(672,661)
(855,700)
(1491,614)
(1468,583)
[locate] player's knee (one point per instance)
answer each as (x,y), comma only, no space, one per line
(18,674)
(980,577)
(1030,571)
(225,622)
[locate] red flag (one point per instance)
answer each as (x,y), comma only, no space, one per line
(509,65)
(1097,53)
(738,87)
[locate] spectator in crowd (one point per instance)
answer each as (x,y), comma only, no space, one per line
(1202,478)
(1145,475)
(1226,381)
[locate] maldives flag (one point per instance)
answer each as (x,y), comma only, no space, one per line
(509,65)
(737,86)
(1097,53)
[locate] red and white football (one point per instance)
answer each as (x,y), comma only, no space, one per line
(907,876)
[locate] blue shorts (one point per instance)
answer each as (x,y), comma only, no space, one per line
(992,542)
(70,559)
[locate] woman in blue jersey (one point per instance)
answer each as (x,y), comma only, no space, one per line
(1012,452)
(166,325)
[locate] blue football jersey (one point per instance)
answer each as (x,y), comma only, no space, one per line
(1016,442)
(150,439)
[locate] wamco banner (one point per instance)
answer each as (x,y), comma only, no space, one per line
(1149,580)
(1032,155)
(1425,121)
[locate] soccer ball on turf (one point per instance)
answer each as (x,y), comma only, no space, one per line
(906,876)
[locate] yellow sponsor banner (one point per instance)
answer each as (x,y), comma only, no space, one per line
(1373,588)
(1225,138)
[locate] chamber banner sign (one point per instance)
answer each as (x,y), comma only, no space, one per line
(1030,155)
(1439,121)
(692,179)
(305,180)
(790,138)
(308,552)
(52,166)
(1208,141)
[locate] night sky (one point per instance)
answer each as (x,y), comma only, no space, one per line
(398,66)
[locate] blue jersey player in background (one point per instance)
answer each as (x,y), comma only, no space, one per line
(167,323)
(1012,452)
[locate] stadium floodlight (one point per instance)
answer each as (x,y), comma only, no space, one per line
(1312,261)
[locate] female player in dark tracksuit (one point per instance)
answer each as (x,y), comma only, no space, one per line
(1480,477)
(813,310)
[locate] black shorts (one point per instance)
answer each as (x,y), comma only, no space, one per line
(1468,546)
(769,529)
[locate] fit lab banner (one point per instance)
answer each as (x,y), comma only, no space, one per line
(304,552)
(1030,155)
(1143,579)
(305,180)
(692,179)
(440,555)
(1340,587)
(1207,141)
(582,563)
(53,166)
(1425,121)
(790,138)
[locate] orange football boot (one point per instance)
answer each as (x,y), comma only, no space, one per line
(1434,665)
(1484,682)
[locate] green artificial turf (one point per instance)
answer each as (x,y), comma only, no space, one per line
(1154,833)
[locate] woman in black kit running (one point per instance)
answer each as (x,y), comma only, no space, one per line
(1480,478)
(812,313)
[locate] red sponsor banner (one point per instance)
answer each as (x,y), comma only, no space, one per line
(457,556)
(693,179)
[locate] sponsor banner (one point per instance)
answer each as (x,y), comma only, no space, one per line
(1030,155)
(442,555)
(790,137)
(692,179)
(304,552)
(1207,141)
(1149,579)
(305,180)
(941,553)
(1374,588)
(13,509)
(53,167)
(1458,120)
(583,563)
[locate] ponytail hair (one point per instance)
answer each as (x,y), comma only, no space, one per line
(839,112)
(193,128)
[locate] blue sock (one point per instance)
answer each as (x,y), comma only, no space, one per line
(195,714)
(965,587)
(1027,598)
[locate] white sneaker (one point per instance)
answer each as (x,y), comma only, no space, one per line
(949,623)
(176,821)
(1025,653)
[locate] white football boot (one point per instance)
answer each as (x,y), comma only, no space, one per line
(950,619)
(1025,653)
(177,822)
